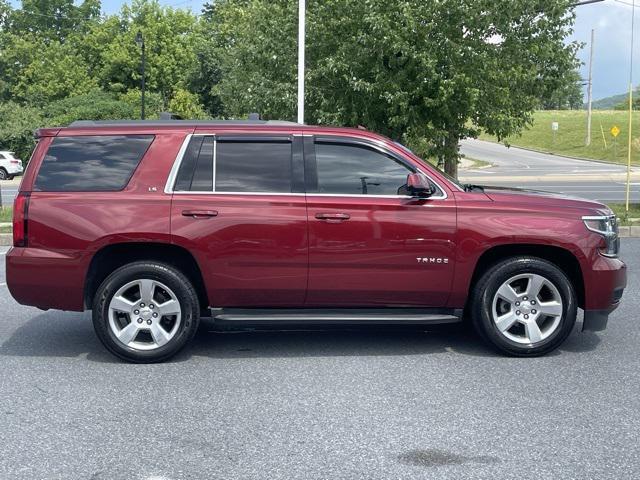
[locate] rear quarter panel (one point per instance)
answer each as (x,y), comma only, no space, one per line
(67,228)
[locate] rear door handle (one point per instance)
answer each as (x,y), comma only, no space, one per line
(333,217)
(200,213)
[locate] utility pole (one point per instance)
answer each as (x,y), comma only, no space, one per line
(587,141)
(301,51)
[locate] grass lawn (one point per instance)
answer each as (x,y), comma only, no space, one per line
(634,213)
(6,214)
(572,128)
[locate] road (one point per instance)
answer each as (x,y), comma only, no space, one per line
(523,168)
(345,404)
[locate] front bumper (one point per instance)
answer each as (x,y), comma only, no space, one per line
(604,286)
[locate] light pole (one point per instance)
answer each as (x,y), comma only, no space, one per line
(628,192)
(301,52)
(140,43)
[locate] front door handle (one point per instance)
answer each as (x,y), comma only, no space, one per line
(200,213)
(333,217)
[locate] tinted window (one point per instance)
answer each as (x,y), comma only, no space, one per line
(253,167)
(355,170)
(196,169)
(92,163)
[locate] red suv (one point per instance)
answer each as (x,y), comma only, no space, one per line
(152,224)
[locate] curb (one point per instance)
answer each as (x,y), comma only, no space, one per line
(629,232)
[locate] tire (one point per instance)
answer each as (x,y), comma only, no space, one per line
(146,331)
(3,174)
(10,177)
(498,312)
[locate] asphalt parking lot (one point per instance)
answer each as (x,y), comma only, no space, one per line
(318,405)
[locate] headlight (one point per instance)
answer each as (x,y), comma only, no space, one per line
(607,226)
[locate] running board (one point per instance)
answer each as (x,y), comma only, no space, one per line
(265,316)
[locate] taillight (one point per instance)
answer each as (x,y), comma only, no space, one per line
(20,219)
(15,162)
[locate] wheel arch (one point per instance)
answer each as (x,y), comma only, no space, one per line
(111,257)
(559,256)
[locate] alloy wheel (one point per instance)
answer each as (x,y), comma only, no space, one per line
(527,308)
(144,314)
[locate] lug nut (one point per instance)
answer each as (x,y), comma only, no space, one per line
(151,305)
(534,311)
(526,317)
(517,304)
(136,312)
(533,302)
(142,305)
(525,298)
(148,322)
(139,320)
(155,315)
(517,312)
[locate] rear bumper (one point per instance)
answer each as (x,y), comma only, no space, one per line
(15,171)
(45,279)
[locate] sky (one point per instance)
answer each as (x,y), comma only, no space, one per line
(610,19)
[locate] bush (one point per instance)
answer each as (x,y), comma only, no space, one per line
(17,127)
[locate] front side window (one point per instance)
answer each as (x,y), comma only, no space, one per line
(91,163)
(358,170)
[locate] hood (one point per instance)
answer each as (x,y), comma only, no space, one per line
(544,199)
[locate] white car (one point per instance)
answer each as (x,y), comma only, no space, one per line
(10,166)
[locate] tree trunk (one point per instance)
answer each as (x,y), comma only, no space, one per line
(451,155)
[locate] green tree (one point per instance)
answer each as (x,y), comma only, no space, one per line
(53,19)
(54,71)
(567,94)
(169,40)
(411,69)
(187,105)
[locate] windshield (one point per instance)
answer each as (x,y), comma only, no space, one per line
(443,173)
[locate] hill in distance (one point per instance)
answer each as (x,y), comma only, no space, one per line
(608,103)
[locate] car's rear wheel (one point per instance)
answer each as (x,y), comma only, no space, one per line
(146,312)
(524,306)
(3,174)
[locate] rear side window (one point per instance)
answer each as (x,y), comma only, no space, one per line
(196,169)
(237,165)
(253,166)
(91,163)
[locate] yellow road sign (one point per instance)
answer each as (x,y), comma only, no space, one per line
(615,131)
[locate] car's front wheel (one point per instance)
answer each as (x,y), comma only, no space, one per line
(145,312)
(524,306)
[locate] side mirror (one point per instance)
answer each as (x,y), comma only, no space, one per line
(418,186)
